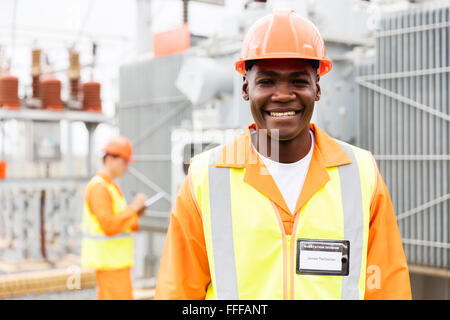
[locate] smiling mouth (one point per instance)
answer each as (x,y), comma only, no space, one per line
(277,114)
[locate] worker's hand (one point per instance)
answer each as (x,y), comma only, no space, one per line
(138,203)
(141,212)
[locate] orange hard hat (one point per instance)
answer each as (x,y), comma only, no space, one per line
(283,35)
(120,146)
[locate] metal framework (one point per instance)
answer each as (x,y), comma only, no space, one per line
(404,120)
(20,207)
(40,218)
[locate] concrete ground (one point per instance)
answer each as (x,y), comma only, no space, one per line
(85,294)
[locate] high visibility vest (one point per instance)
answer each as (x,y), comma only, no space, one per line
(99,251)
(251,257)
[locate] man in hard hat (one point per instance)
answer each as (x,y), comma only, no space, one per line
(284,211)
(107,244)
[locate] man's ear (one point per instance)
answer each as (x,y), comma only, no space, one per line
(318,92)
(245,95)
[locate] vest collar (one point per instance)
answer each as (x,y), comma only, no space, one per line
(108,180)
(239,153)
(104,176)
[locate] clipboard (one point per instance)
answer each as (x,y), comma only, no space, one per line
(153,199)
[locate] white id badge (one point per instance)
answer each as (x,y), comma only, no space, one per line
(323,257)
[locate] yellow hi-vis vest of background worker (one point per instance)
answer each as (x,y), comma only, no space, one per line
(251,257)
(99,251)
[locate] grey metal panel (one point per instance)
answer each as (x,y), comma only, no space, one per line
(411,202)
(446,135)
(336,111)
(150,106)
(147,112)
(411,145)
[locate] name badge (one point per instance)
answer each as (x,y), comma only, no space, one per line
(323,257)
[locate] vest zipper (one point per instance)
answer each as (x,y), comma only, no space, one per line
(286,245)
(288,266)
(292,256)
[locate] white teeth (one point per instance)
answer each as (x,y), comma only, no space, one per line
(282,114)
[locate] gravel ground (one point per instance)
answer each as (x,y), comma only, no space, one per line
(85,294)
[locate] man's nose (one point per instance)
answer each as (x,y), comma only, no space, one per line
(283,94)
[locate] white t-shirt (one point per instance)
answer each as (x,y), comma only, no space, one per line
(289,177)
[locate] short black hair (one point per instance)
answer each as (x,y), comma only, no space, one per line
(109,155)
(250,63)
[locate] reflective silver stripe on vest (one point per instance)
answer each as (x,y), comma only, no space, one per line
(353,222)
(222,229)
(105,237)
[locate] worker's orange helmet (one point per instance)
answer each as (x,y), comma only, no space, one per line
(283,35)
(120,146)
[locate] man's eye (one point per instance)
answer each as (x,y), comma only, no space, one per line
(299,82)
(265,81)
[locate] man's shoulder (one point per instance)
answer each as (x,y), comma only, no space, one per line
(96,180)
(211,155)
(207,157)
(96,189)
(97,185)
(354,148)
(364,158)
(333,147)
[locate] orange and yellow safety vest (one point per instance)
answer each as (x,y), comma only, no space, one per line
(99,251)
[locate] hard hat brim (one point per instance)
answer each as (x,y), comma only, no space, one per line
(130,159)
(324,68)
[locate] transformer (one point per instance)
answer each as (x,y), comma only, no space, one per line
(9,91)
(91,96)
(50,93)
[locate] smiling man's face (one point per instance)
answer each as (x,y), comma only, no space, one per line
(282,94)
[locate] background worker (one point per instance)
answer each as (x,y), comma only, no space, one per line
(107,244)
(311,220)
